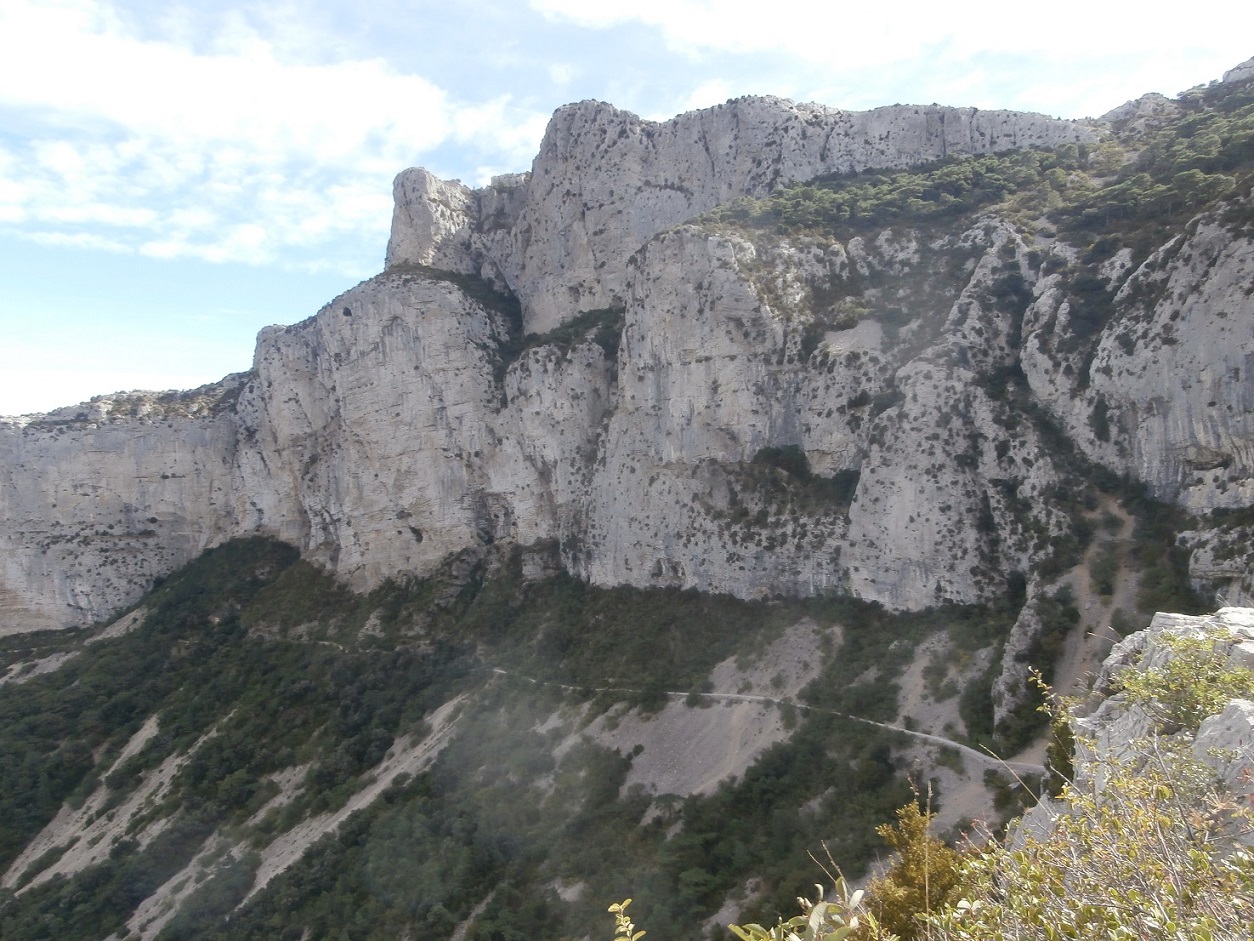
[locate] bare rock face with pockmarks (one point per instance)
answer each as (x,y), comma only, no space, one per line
(634,361)
(605,181)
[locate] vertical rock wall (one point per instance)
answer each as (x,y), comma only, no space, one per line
(605,181)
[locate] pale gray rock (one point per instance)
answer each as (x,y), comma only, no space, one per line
(1118,730)
(1142,115)
(365,459)
(1240,73)
(708,376)
(387,433)
(1232,628)
(605,181)
(1225,742)
(443,224)
(1221,563)
(1110,729)
(405,423)
(99,499)
(935,485)
(400,439)
(1011,685)
(1169,396)
(431,222)
(380,436)
(731,347)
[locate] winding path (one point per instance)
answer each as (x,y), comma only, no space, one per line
(986,758)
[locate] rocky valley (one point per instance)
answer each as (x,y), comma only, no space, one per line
(692,489)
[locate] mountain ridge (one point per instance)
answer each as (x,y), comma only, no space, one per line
(417,414)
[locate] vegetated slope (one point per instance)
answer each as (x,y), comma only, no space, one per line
(258,696)
(1146,832)
(252,698)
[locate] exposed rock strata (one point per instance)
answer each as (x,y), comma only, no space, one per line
(923,376)
(398,441)
(605,181)
(1171,373)
(1114,726)
(99,500)
(1240,73)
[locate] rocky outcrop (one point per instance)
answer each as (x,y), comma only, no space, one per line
(379,436)
(1114,734)
(1240,73)
(1221,560)
(1011,686)
(1118,730)
(101,499)
(605,181)
(401,424)
(1225,742)
(1168,395)
(1113,725)
(401,438)
(734,360)
(1142,115)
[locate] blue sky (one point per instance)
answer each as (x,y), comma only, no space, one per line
(173,177)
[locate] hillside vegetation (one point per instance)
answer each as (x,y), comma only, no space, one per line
(1148,838)
(255,665)
(278,694)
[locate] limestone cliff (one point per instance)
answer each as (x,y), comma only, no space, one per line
(1170,376)
(100,499)
(605,181)
(577,359)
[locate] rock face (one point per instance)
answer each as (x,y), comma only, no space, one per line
(714,369)
(605,181)
(1224,742)
(722,408)
(1240,73)
(1171,377)
(399,439)
(99,500)
(1114,725)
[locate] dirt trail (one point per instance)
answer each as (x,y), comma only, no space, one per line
(1018,766)
(692,750)
(1092,639)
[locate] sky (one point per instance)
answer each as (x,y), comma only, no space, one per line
(176,176)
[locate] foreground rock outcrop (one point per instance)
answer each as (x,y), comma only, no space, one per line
(1116,732)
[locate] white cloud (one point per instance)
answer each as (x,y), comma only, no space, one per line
(79,240)
(172,137)
(44,372)
(26,391)
(226,146)
(1071,58)
(489,126)
(846,35)
(241,93)
(707,94)
(561,74)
